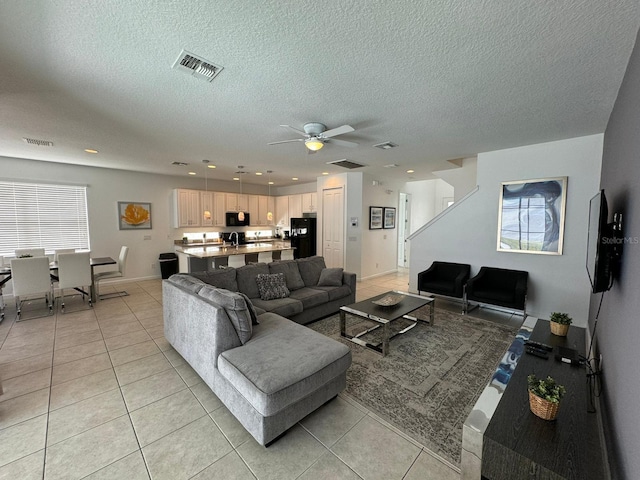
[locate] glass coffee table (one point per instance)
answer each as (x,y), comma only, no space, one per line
(383,310)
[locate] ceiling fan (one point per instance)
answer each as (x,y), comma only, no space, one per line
(316,135)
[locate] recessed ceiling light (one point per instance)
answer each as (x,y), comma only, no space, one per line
(258,173)
(90,150)
(236,178)
(211,166)
(294,178)
(271,183)
(325,173)
(192,173)
(410,171)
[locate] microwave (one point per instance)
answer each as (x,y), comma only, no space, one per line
(233,221)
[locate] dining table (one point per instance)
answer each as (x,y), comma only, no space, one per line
(5,276)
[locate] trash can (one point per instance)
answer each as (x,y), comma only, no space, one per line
(168,264)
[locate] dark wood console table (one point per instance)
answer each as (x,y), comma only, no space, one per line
(519,445)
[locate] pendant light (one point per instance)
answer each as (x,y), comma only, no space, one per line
(240,212)
(269,212)
(207,213)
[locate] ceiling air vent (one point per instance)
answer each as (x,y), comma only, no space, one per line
(385,145)
(345,163)
(40,143)
(196,66)
(180,164)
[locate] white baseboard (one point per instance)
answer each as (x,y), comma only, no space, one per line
(378,275)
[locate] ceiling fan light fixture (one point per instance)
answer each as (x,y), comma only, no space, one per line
(314,144)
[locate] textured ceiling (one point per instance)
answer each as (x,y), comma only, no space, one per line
(442,79)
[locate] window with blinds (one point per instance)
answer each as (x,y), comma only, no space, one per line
(42,215)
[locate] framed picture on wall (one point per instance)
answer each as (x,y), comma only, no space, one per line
(531,216)
(389,217)
(134,216)
(375,218)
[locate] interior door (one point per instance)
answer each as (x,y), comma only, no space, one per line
(333,227)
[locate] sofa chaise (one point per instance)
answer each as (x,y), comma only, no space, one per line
(269,371)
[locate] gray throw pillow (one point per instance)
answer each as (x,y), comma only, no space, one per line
(291,273)
(272,286)
(310,268)
(330,277)
(251,309)
(221,278)
(237,308)
(187,281)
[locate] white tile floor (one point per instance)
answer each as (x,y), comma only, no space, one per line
(100,394)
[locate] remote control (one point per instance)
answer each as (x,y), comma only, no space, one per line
(537,353)
(543,346)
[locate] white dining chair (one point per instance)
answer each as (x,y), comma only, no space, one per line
(62,250)
(236,261)
(2,282)
(287,255)
(265,257)
(122,263)
(74,271)
(30,276)
(33,252)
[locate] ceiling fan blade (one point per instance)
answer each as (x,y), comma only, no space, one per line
(286,141)
(338,131)
(341,143)
(294,129)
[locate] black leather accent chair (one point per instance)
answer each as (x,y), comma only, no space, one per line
(444,278)
(500,287)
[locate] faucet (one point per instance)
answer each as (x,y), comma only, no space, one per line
(231,236)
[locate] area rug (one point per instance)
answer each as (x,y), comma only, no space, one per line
(432,377)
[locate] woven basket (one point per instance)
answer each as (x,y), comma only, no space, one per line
(543,408)
(559,329)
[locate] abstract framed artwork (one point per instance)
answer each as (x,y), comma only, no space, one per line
(389,217)
(375,218)
(531,216)
(134,216)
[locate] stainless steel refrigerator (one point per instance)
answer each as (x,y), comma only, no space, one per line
(303,237)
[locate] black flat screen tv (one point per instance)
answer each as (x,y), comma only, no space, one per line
(599,244)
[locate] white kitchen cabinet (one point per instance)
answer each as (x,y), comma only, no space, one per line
(295,206)
(187,210)
(254,211)
(309,202)
(236,202)
(207,205)
(219,209)
(282,212)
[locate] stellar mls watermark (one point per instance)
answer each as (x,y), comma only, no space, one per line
(620,240)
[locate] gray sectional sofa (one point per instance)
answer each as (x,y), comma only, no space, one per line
(307,301)
(269,371)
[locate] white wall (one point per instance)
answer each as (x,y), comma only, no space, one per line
(467,234)
(463,179)
(105,187)
(426,200)
(379,247)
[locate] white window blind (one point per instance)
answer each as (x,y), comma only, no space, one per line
(42,215)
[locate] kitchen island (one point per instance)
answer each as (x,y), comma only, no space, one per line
(205,257)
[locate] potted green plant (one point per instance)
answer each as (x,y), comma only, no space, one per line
(559,323)
(544,396)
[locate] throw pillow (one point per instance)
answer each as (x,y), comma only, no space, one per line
(330,277)
(310,268)
(251,309)
(236,307)
(272,286)
(291,273)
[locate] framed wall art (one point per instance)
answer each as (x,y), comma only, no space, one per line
(531,216)
(134,216)
(389,217)
(375,218)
